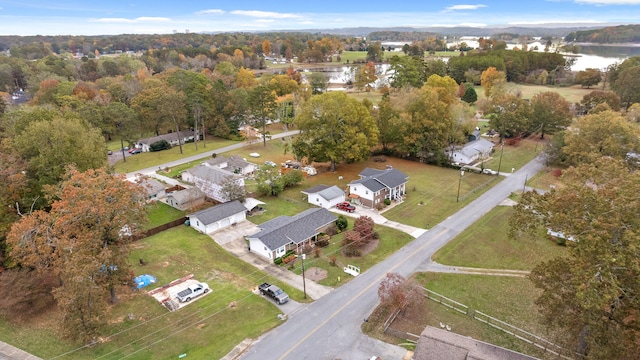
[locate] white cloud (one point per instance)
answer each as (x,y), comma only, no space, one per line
(609,2)
(456,25)
(210,11)
(464,7)
(132,21)
(544,22)
(265,14)
(265,20)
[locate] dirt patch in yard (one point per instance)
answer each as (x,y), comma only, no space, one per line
(366,249)
(315,273)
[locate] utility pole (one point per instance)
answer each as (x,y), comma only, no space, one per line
(304,283)
(459,181)
(501,151)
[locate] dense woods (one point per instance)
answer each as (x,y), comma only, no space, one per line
(608,35)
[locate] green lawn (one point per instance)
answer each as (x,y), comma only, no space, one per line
(486,245)
(391,240)
(145,160)
(161,213)
(515,156)
(492,295)
(432,192)
(206,329)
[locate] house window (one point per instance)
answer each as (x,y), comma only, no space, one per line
(355,189)
(317,199)
(197,223)
(366,192)
(265,248)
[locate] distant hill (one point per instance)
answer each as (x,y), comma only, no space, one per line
(609,35)
(458,31)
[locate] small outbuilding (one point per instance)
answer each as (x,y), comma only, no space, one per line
(324,196)
(186,198)
(152,187)
(218,217)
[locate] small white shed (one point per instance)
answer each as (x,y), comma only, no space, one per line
(324,196)
(218,217)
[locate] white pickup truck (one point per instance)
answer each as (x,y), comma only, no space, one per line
(193,291)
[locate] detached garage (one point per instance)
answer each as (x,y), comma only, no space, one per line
(218,217)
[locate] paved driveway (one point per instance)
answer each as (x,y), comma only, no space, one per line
(232,240)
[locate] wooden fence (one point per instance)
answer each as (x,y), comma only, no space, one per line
(514,331)
(160,228)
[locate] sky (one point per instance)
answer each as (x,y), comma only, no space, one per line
(74,17)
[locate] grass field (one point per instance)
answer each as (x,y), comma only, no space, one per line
(140,328)
(151,159)
(391,240)
(486,245)
(161,213)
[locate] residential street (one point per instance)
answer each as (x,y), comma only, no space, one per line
(204,155)
(329,328)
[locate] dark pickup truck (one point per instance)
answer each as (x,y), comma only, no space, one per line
(274,292)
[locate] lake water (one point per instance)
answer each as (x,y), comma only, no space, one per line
(590,56)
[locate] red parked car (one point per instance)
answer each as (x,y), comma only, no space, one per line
(346,207)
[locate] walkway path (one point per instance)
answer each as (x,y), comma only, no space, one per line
(433,266)
(336,319)
(204,155)
(8,352)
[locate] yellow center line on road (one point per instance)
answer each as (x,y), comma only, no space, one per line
(358,295)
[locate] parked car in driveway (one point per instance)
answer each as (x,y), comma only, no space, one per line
(135,151)
(346,207)
(270,163)
(489,172)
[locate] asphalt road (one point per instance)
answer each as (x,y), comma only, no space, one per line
(204,155)
(329,328)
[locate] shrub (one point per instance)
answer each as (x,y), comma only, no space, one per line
(316,252)
(332,230)
(556,172)
(341,222)
(323,241)
(352,251)
(159,145)
(281,259)
(289,258)
(387,202)
(332,260)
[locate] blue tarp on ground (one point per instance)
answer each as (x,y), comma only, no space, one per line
(144,280)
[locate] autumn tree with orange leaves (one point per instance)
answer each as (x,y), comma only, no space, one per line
(83,241)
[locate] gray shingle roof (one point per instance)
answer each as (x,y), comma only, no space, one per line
(315,189)
(212,174)
(376,180)
(296,229)
(437,344)
(151,186)
(481,145)
(331,193)
(168,137)
(325,191)
(370,184)
(218,212)
(187,195)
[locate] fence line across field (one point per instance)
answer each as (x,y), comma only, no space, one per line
(523,335)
